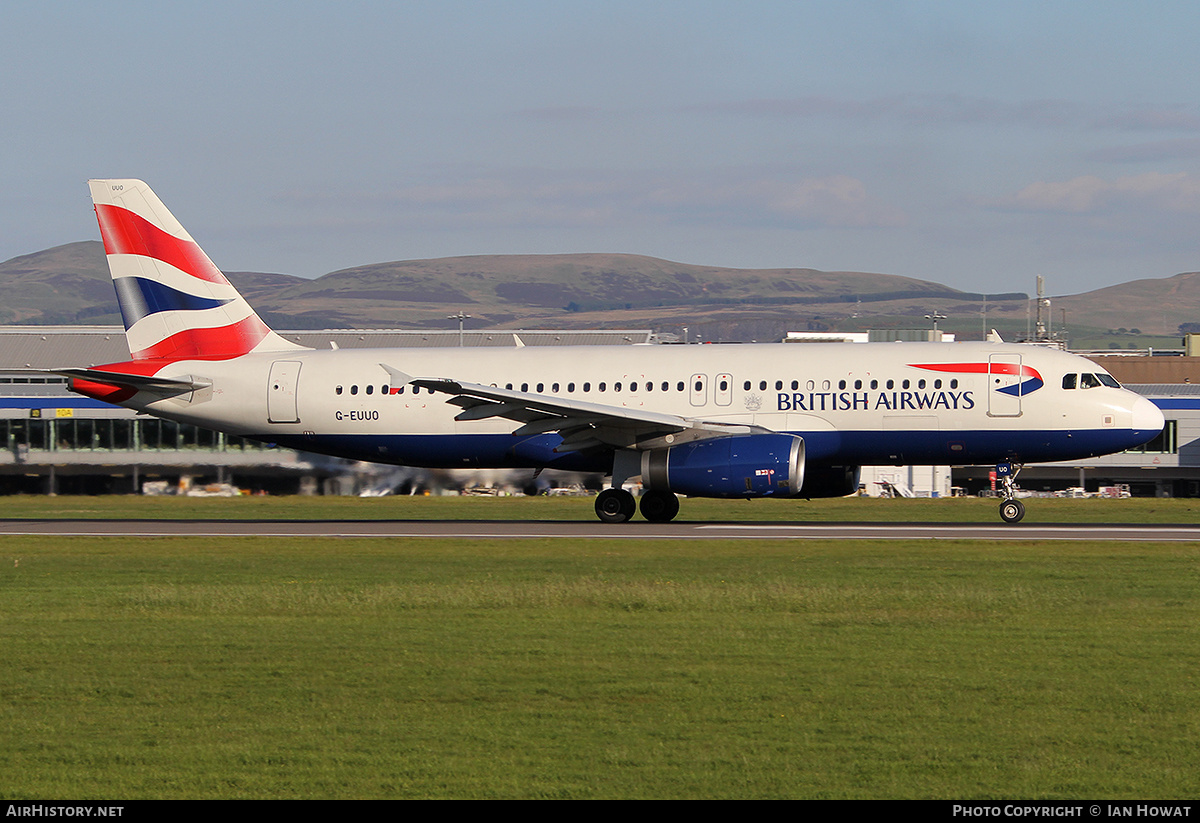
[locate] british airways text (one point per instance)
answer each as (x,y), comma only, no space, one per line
(862,401)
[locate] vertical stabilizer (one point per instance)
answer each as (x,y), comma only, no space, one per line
(175,303)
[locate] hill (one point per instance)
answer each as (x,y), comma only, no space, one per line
(70,284)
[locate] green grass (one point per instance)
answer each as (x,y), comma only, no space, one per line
(1038,510)
(334,668)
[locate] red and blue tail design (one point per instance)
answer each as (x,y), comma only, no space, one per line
(175,303)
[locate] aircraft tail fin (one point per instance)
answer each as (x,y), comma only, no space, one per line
(175,303)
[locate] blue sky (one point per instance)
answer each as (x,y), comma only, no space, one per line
(975,144)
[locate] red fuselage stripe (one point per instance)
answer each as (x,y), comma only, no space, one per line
(980,368)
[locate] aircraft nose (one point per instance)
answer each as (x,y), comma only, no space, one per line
(1147,416)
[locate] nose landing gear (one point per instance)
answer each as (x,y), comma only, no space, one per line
(1011,510)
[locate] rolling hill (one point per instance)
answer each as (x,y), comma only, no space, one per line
(70,284)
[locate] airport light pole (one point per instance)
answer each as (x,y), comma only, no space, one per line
(935,317)
(460,317)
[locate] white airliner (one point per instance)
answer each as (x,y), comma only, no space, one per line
(708,421)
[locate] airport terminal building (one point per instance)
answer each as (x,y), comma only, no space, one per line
(59,442)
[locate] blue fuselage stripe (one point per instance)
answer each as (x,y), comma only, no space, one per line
(833,448)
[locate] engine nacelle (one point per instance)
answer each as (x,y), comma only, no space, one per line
(750,465)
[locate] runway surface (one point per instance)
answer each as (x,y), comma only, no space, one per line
(566,531)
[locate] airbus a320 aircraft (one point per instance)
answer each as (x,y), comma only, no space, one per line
(708,421)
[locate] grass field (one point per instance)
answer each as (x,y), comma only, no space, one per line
(963,509)
(317,667)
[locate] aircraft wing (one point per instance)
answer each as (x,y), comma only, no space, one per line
(581,424)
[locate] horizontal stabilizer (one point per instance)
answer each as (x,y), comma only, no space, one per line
(159,385)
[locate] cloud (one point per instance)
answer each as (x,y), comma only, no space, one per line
(587,198)
(957,109)
(560,113)
(835,201)
(1171,193)
(1187,148)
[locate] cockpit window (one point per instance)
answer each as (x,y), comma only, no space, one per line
(1089,381)
(1069,380)
(1108,380)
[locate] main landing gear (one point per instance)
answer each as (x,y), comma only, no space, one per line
(615,506)
(1011,510)
(619,506)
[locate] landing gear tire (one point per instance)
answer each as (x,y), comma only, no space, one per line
(659,506)
(615,506)
(1011,511)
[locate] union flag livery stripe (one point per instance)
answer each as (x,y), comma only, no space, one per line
(1031,385)
(176,304)
(139,297)
(127,233)
(220,343)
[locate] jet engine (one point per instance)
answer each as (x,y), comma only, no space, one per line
(751,465)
